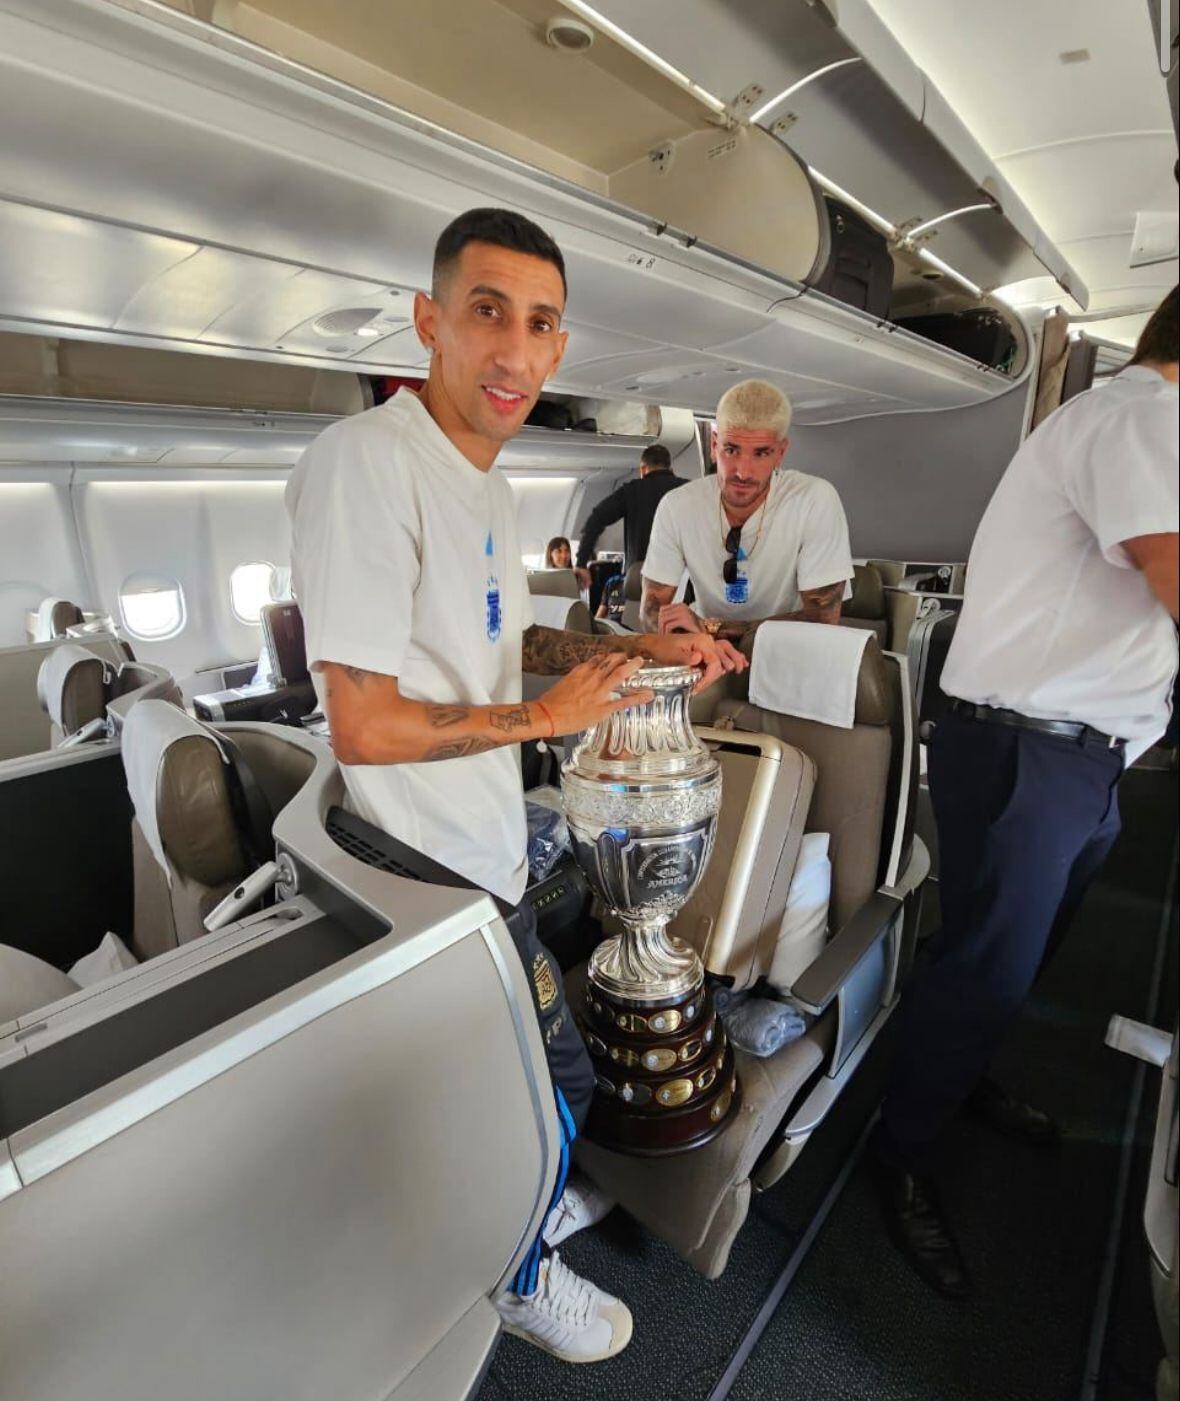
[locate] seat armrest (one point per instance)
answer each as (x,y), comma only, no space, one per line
(818,985)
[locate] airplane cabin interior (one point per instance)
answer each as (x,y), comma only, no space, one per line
(276,1112)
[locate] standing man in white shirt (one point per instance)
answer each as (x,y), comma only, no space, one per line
(1061,668)
(416,607)
(757,543)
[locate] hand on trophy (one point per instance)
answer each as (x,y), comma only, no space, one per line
(588,692)
(712,657)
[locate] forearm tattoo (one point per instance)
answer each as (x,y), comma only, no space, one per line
(460,748)
(509,718)
(551,652)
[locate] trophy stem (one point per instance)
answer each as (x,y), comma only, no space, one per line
(645,965)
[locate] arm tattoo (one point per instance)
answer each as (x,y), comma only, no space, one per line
(515,717)
(551,652)
(460,748)
(440,716)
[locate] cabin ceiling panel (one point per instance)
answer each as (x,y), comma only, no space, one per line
(588,344)
(80,272)
(184,299)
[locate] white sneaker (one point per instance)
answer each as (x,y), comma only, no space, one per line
(568,1316)
(581,1205)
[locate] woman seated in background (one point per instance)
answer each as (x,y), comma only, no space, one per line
(558,554)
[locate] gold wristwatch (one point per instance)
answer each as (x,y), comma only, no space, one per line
(712,625)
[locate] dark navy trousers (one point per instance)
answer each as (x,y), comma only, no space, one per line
(1025,820)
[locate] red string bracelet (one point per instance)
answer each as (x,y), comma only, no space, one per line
(544,709)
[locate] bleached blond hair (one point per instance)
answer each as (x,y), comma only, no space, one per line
(755,405)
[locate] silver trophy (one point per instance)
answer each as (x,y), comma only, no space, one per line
(641,795)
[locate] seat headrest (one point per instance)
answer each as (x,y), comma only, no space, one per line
(868,594)
(554,583)
(176,776)
(72,686)
(815,671)
(554,611)
(633,582)
(54,615)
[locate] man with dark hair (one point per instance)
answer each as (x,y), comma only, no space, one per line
(1060,674)
(416,605)
(634,503)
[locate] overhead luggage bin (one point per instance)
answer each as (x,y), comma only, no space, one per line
(238,203)
(832,82)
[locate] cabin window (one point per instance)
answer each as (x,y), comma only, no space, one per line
(251,588)
(152,607)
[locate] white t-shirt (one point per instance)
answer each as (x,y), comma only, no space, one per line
(1057,622)
(406,562)
(803,545)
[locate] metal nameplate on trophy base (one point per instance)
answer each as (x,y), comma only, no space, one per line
(641,795)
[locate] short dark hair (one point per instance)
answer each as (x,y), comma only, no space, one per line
(1159,341)
(656,456)
(503,229)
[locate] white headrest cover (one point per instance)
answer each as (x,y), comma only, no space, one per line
(550,611)
(808,670)
(150,729)
(44,627)
(55,671)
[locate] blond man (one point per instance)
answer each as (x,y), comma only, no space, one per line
(757,542)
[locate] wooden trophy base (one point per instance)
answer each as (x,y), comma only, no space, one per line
(665,1076)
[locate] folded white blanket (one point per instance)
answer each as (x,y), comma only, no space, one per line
(808,670)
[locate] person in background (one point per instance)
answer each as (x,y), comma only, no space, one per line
(408,570)
(1061,670)
(558,554)
(634,503)
(758,543)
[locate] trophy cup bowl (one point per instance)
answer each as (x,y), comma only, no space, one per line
(641,796)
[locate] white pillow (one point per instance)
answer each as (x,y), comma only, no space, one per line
(112,956)
(28,983)
(804,930)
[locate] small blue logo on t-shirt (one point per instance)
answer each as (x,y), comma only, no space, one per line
(493,620)
(739,590)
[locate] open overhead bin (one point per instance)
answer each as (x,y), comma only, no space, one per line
(828,79)
(169,184)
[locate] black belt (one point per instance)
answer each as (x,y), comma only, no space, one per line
(1068,729)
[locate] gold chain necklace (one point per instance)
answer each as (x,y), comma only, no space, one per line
(761,521)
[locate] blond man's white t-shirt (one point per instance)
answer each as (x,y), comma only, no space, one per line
(798,539)
(406,562)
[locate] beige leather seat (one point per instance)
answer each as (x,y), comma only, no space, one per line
(188,851)
(51,619)
(866,607)
(73,686)
(857,785)
(76,688)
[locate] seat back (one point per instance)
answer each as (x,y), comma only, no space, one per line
(633,596)
(853,768)
(866,606)
(51,618)
(188,848)
(72,686)
(554,583)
